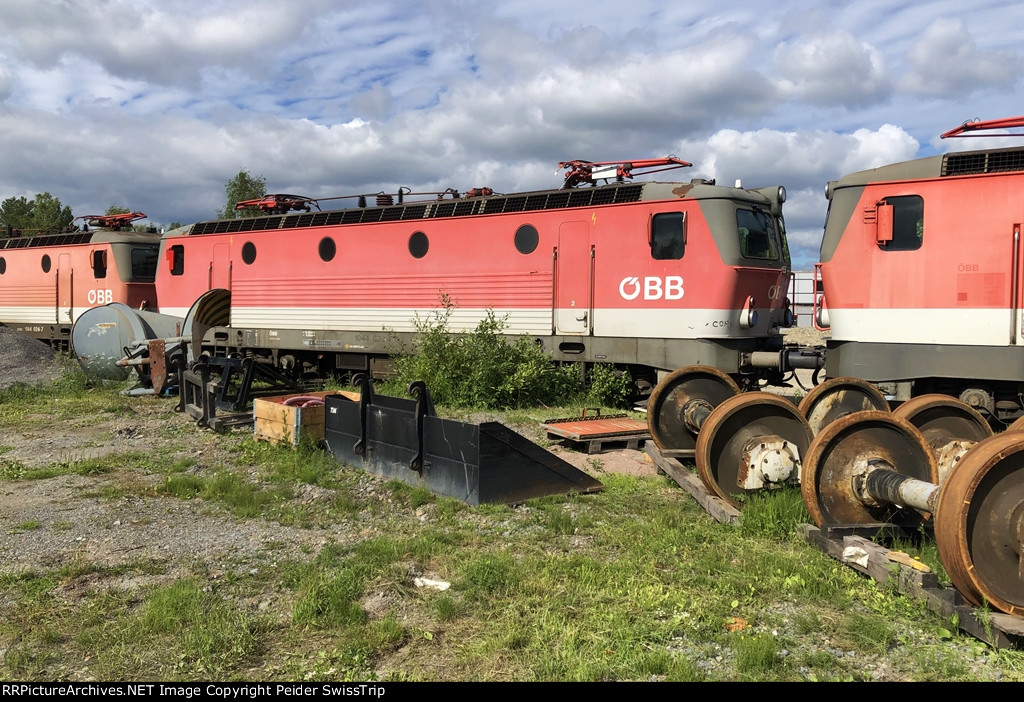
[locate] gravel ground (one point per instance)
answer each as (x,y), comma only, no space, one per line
(25,360)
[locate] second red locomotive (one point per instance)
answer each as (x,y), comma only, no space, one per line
(48,280)
(923,272)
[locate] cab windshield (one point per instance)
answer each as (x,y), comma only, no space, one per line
(144,260)
(758,235)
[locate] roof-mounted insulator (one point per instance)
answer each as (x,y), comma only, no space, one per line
(478,192)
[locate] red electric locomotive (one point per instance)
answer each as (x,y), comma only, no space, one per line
(922,266)
(652,275)
(48,280)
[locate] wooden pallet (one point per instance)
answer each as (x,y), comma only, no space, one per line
(596,433)
(715,506)
(604,443)
(915,580)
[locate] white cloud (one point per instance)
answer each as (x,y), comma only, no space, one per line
(945,62)
(832,69)
(6,82)
(796,159)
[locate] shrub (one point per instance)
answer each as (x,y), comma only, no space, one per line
(488,369)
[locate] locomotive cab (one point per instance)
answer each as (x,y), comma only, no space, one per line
(921,264)
(48,281)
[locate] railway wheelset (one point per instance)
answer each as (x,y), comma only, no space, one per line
(933,461)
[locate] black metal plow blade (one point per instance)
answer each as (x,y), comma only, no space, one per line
(476,463)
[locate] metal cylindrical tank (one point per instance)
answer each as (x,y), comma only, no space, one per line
(101,335)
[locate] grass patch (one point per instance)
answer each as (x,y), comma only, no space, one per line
(773,514)
(757,657)
(28,525)
(871,633)
(488,575)
(284,464)
(204,634)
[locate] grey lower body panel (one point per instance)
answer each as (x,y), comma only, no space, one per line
(895,362)
(664,354)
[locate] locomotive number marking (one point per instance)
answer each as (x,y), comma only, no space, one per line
(100,297)
(653,288)
(967,267)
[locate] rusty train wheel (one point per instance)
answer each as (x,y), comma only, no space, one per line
(840,452)
(839,397)
(948,425)
(760,427)
(1018,425)
(668,401)
(979,523)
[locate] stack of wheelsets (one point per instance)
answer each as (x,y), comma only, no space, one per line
(858,463)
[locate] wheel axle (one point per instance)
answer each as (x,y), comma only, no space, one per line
(873,466)
(739,442)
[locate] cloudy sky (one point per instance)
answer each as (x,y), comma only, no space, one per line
(155,105)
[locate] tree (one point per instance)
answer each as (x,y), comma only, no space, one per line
(116,209)
(43,212)
(16,212)
(242,187)
(49,215)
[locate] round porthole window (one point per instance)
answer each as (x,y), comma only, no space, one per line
(46,264)
(527,239)
(327,249)
(418,244)
(249,252)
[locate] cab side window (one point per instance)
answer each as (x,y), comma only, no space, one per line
(906,230)
(668,236)
(177,259)
(99,264)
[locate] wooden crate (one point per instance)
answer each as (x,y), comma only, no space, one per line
(276,422)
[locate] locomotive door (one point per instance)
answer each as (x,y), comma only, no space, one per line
(220,267)
(573,289)
(64,281)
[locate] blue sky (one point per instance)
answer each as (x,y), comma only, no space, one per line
(155,105)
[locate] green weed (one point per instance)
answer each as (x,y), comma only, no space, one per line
(868,632)
(757,657)
(773,514)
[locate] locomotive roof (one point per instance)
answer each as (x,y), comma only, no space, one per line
(614,194)
(957,163)
(94,236)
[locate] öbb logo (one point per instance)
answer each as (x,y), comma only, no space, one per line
(653,288)
(100,297)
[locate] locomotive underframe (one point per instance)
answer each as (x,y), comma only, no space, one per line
(56,335)
(332,352)
(989,378)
